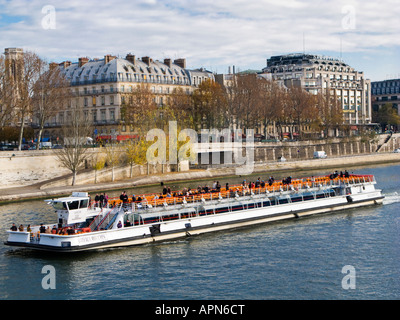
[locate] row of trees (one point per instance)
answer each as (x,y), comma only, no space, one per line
(29,88)
(246,102)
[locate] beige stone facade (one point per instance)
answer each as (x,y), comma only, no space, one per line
(99,86)
(321,74)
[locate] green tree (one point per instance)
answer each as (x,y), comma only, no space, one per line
(386,116)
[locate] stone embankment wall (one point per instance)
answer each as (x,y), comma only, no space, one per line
(26,168)
(333,147)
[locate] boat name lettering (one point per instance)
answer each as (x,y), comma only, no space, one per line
(92,238)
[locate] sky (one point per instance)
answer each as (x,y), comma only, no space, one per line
(214,34)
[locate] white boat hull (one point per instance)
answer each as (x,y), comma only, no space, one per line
(167,230)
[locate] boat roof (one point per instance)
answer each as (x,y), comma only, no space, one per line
(76,196)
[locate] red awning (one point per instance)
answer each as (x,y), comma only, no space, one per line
(353,128)
(119,137)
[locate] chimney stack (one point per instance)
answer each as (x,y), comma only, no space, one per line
(181,62)
(131,58)
(65,64)
(108,58)
(168,62)
(83,61)
(147,60)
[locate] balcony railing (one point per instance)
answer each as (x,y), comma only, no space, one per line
(184,81)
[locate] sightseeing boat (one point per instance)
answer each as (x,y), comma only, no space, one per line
(83,226)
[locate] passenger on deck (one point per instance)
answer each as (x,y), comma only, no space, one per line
(124,197)
(101,200)
(105,200)
(96,200)
(42,228)
(21,228)
(13,227)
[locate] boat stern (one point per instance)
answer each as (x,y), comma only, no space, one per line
(18,237)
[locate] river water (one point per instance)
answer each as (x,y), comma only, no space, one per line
(298,259)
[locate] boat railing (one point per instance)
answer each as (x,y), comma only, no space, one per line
(105,219)
(150,201)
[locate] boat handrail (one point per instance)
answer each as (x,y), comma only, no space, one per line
(98,217)
(103,221)
(277,186)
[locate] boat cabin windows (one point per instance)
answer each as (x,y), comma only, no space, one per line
(84,204)
(60,205)
(73,205)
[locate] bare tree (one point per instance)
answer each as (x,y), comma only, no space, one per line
(272,96)
(301,108)
(6,113)
(75,132)
(22,79)
(50,95)
(330,113)
(248,100)
(113,154)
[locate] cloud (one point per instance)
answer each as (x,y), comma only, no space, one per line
(210,33)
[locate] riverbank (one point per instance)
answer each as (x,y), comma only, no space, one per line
(41,191)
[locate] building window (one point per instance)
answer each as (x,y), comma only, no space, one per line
(112,114)
(103,115)
(85,102)
(111,100)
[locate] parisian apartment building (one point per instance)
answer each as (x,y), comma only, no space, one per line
(99,86)
(386,91)
(320,74)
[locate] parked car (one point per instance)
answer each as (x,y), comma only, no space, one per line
(397,150)
(6,147)
(282,159)
(320,155)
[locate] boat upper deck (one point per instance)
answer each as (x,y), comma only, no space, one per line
(154,200)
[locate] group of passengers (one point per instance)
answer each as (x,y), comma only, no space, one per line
(101,200)
(55,230)
(44,229)
(20,228)
(336,174)
(259,183)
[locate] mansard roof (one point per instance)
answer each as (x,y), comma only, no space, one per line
(129,69)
